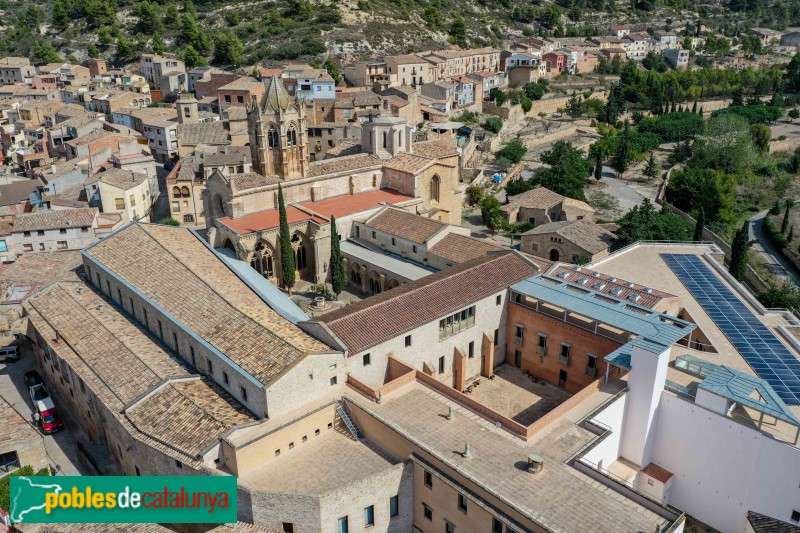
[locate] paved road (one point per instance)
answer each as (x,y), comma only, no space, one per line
(60,446)
(774,261)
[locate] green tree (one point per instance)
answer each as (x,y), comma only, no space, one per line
(171,16)
(644,223)
(512,150)
(568,171)
(432,16)
(727,146)
(169,221)
(458,31)
(534,90)
(150,17)
(228,49)
(699,224)
(623,155)
(157,44)
(737,97)
(526,103)
(333,70)
(490,211)
(651,170)
(45,53)
(574,105)
(60,17)
(741,242)
(125,47)
(598,165)
(761,135)
(498,95)
(517,186)
(92,50)
(287,253)
(794,114)
(336,261)
(192,58)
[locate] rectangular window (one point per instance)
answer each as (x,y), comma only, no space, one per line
(62,231)
(428,479)
(3,246)
(62,245)
(27,247)
(497,526)
(498,300)
(160,330)
(343,528)
(175,342)
(519,331)
(471,350)
(408,341)
(227,98)
(394,243)
(358,231)
(394,506)
(427,512)
(119,203)
(191,352)
(240,99)
(334,380)
(449,528)
(795,519)
(178,464)
(287,527)
(210,366)
(225,378)
(365,359)
(496,335)
(138,473)
(132,199)
(244,393)
(369,516)
(441,365)
(414,248)
(462,503)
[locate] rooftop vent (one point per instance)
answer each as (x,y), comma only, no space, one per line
(577,267)
(582,281)
(629,283)
(100,306)
(648,290)
(616,291)
(612,278)
(535,463)
(596,274)
(634,297)
(599,286)
(563,275)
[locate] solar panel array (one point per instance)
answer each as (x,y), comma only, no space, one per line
(765,354)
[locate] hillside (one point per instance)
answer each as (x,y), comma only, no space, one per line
(246,32)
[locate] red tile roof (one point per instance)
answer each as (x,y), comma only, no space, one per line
(263,220)
(346,204)
(392,313)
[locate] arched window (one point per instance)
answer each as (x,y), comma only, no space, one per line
(291,136)
(435,183)
(219,205)
(188,218)
(272,137)
(176,192)
(185,192)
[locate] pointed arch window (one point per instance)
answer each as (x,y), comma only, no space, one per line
(272,137)
(435,185)
(291,136)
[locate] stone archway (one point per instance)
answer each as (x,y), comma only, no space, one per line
(392,284)
(554,255)
(263,260)
(303,254)
(375,282)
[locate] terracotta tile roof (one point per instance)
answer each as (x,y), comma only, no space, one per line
(407,59)
(392,313)
(233,155)
(202,411)
(203,133)
(657,472)
(251,180)
(458,248)
(577,204)
(406,225)
(766,524)
(342,164)
(538,198)
(176,269)
(43,269)
(5,227)
(267,219)
(621,288)
(582,233)
(16,430)
(409,163)
(243,84)
(436,148)
(62,218)
(346,204)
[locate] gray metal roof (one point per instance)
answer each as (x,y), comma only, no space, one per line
(738,387)
(403,268)
(653,330)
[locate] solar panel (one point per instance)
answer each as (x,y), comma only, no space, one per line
(765,354)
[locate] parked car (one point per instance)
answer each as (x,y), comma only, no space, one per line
(38,393)
(32,378)
(9,354)
(48,416)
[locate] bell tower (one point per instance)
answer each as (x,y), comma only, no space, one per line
(278,137)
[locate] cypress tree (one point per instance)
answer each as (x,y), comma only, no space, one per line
(694,107)
(598,166)
(336,265)
(651,170)
(622,157)
(699,225)
(738,265)
(287,253)
(701,111)
(791,234)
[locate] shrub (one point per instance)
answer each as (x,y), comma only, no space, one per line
(526,103)
(493,124)
(514,151)
(169,221)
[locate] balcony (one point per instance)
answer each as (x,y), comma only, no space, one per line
(541,350)
(563,360)
(591,371)
(518,341)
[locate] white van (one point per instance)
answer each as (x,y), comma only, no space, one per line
(9,354)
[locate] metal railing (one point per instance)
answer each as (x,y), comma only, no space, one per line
(9,467)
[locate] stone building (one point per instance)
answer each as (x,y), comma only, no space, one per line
(541,205)
(241,209)
(576,241)
(57,230)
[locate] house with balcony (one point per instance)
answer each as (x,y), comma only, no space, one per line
(315,84)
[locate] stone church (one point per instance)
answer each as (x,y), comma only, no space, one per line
(387,168)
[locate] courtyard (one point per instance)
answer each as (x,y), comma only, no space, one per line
(516,395)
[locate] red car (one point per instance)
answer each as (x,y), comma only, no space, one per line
(49,416)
